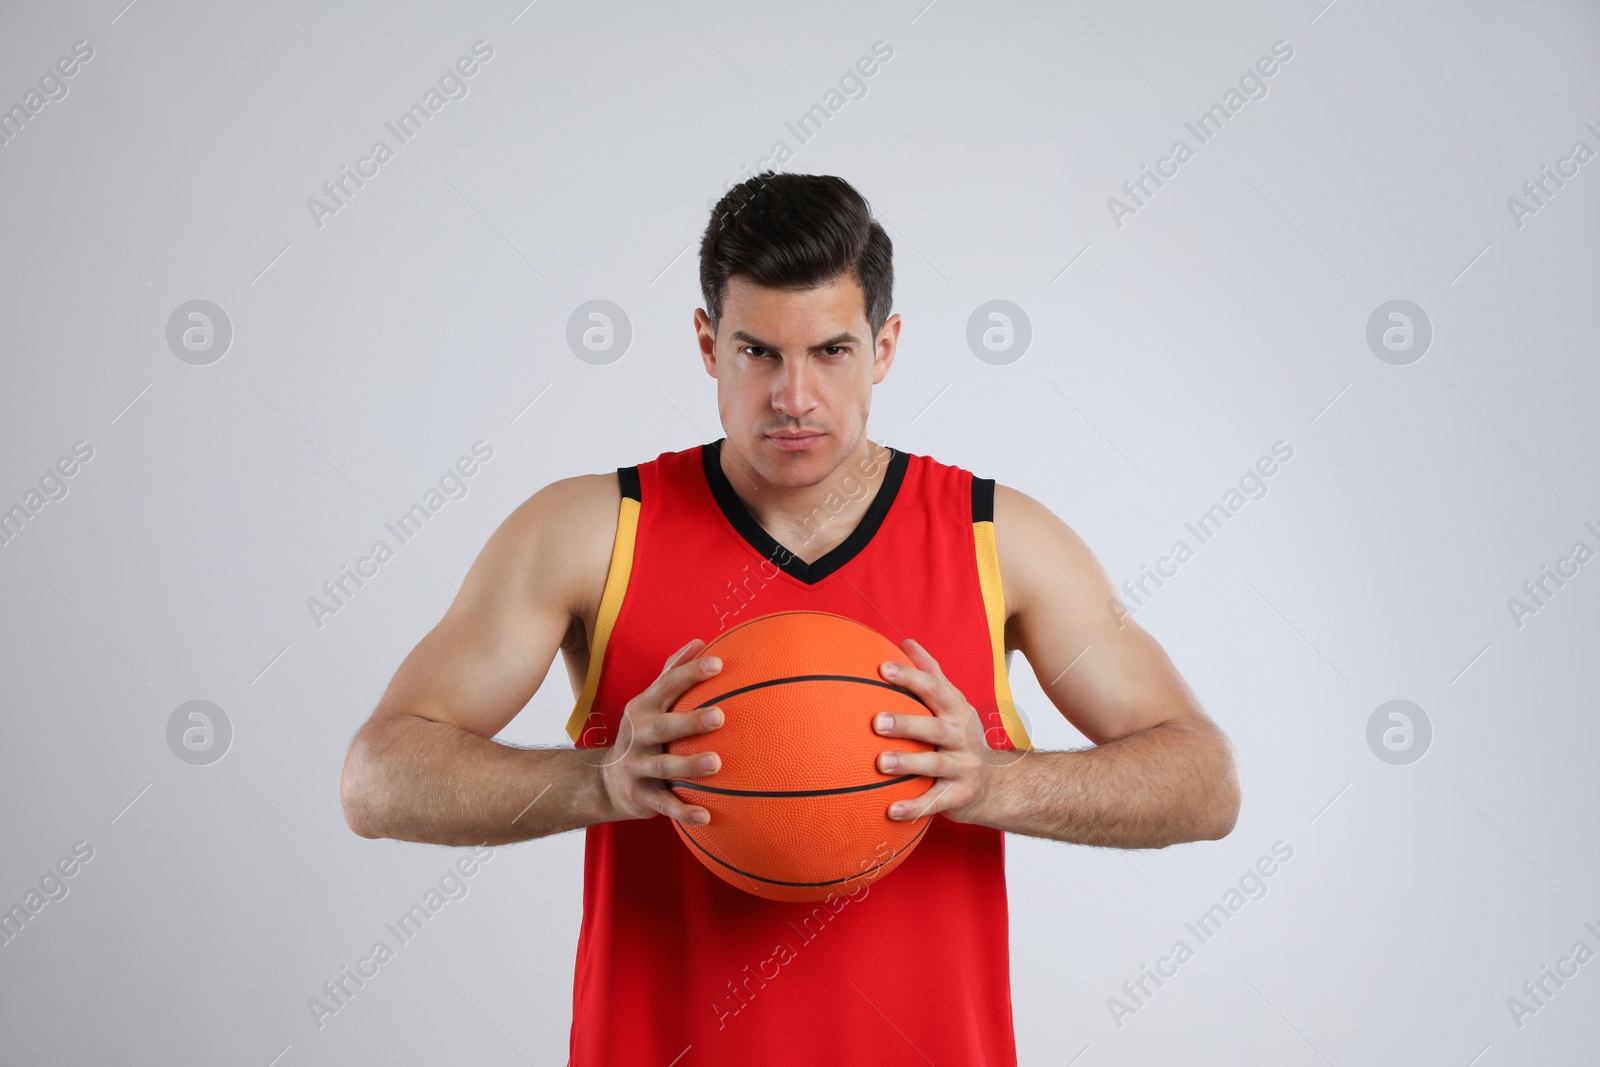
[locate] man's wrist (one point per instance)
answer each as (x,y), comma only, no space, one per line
(596,803)
(1005,799)
(990,797)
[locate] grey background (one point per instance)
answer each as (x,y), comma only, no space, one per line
(368,354)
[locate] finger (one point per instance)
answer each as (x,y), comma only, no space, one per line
(927,728)
(906,676)
(932,764)
(673,682)
(665,766)
(920,658)
(670,726)
(645,727)
(679,656)
(931,687)
(932,802)
(658,798)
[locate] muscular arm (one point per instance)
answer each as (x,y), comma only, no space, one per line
(1160,772)
(424,767)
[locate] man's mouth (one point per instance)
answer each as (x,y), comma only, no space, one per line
(795,441)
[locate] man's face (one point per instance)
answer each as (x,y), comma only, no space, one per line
(795,363)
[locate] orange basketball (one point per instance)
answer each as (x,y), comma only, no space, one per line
(799,807)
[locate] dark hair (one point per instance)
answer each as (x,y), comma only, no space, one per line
(796,231)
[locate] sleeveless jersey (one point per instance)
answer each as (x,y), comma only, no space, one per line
(677,968)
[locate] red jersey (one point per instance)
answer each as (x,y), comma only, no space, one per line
(677,968)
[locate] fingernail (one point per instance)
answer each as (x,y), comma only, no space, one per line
(891,669)
(896,810)
(890,761)
(705,763)
(700,817)
(713,717)
(884,721)
(712,662)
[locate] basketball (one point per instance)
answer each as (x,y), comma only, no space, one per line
(798,806)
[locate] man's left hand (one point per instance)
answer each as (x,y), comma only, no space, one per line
(961,764)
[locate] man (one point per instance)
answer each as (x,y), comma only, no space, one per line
(794,509)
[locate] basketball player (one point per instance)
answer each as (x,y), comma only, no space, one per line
(629,573)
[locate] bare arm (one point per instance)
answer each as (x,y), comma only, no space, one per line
(1160,772)
(425,768)
(1147,790)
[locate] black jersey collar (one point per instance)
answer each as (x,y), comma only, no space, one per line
(759,539)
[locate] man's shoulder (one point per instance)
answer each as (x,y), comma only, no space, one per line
(934,467)
(1032,525)
(1038,550)
(559,538)
(574,503)
(583,506)
(989,496)
(1020,508)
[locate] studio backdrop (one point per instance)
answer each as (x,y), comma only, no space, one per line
(1287,309)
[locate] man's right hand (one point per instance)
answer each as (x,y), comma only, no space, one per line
(639,766)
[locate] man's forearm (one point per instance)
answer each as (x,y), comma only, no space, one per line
(1171,783)
(414,779)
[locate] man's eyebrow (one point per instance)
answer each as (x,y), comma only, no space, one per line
(836,339)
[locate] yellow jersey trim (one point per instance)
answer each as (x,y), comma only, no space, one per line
(994,604)
(617,575)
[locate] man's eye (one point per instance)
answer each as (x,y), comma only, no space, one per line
(757,352)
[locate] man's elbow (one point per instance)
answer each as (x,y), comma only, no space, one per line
(1225,815)
(358,793)
(1224,807)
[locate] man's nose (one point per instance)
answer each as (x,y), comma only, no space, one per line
(797,392)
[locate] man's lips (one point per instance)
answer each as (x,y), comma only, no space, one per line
(793,442)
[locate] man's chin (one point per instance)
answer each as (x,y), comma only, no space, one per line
(793,468)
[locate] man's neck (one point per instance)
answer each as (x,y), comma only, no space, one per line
(811,520)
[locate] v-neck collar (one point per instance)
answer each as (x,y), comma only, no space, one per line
(759,539)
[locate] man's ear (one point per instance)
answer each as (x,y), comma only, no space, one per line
(706,336)
(888,342)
